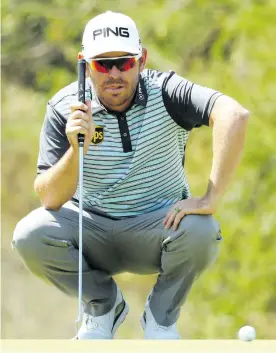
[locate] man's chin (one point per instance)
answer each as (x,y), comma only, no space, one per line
(115,100)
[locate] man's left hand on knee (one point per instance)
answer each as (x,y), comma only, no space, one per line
(193,205)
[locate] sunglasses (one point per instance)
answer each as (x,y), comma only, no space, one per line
(104,65)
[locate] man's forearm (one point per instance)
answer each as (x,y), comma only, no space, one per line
(228,142)
(58,184)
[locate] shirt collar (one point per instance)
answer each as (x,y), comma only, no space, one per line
(141,96)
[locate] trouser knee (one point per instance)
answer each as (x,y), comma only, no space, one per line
(28,242)
(197,244)
(203,235)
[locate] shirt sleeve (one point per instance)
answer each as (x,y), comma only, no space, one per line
(53,139)
(189,104)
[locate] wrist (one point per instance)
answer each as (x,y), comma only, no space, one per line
(73,154)
(212,196)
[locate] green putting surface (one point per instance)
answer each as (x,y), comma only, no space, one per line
(137,346)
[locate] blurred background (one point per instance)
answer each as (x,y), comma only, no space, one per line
(228,45)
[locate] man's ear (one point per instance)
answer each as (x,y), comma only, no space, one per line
(143,59)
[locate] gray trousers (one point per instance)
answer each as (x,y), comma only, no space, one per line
(47,242)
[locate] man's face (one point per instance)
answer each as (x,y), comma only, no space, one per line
(116,88)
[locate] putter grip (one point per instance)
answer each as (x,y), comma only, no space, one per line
(81,90)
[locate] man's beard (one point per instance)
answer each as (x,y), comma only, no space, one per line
(114,101)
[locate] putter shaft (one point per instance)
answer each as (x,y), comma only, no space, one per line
(80,229)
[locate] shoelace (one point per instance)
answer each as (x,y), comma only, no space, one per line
(164,328)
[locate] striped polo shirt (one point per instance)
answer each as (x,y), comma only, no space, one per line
(135,161)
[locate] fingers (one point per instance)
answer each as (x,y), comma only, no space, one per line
(167,218)
(79,106)
(173,218)
(171,213)
(73,131)
(89,110)
(80,111)
(78,119)
(81,118)
(192,205)
(78,114)
(80,123)
(177,219)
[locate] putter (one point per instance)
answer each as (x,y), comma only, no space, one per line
(81,98)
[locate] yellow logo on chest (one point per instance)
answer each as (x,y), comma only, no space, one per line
(98,135)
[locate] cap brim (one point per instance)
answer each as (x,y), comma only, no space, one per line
(114,47)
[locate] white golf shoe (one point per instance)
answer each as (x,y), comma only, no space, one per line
(153,331)
(104,327)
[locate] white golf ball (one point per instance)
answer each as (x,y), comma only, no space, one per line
(247,333)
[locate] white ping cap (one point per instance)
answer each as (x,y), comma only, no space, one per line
(110,31)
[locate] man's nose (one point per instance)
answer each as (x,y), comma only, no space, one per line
(114,72)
